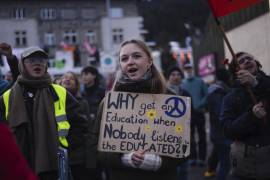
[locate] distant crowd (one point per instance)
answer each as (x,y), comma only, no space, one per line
(49,127)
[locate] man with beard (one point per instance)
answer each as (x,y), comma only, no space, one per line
(247,122)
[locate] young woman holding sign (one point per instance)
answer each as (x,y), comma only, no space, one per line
(138,74)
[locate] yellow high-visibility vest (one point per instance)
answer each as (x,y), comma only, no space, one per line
(59,112)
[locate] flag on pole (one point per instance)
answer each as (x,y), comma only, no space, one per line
(91,50)
(223,7)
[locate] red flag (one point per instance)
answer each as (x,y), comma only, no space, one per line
(223,7)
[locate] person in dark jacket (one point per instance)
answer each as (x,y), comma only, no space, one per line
(138,74)
(6,50)
(93,92)
(247,122)
(29,108)
(78,133)
(175,77)
(221,146)
(12,164)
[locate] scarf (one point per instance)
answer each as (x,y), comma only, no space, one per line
(143,85)
(175,88)
(43,123)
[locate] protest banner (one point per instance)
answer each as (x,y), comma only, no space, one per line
(157,123)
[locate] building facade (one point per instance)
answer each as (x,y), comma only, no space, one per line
(247,30)
(82,26)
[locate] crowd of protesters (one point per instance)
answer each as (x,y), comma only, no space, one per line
(41,115)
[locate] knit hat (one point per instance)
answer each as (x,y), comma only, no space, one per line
(187,66)
(175,68)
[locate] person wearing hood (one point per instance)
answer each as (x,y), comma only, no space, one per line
(221,145)
(37,113)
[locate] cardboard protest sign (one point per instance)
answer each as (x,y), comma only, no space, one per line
(157,123)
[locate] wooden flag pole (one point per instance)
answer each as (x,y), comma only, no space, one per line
(235,62)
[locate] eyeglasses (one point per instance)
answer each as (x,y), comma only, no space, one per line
(244,59)
(33,60)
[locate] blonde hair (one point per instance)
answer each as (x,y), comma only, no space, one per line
(157,81)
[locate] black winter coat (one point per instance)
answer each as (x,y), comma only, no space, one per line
(93,95)
(238,121)
(78,134)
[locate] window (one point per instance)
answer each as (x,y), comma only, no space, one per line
(91,37)
(18,13)
(68,14)
(48,13)
(20,38)
(49,39)
(70,36)
(89,13)
(117,35)
(116,12)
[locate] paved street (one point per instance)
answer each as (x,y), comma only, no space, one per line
(195,172)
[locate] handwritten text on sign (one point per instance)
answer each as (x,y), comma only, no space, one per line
(157,123)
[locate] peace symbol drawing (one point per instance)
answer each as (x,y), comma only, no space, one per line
(178,107)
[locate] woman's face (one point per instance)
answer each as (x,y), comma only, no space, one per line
(134,61)
(88,78)
(69,82)
(247,62)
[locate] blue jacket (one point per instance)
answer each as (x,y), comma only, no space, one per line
(198,91)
